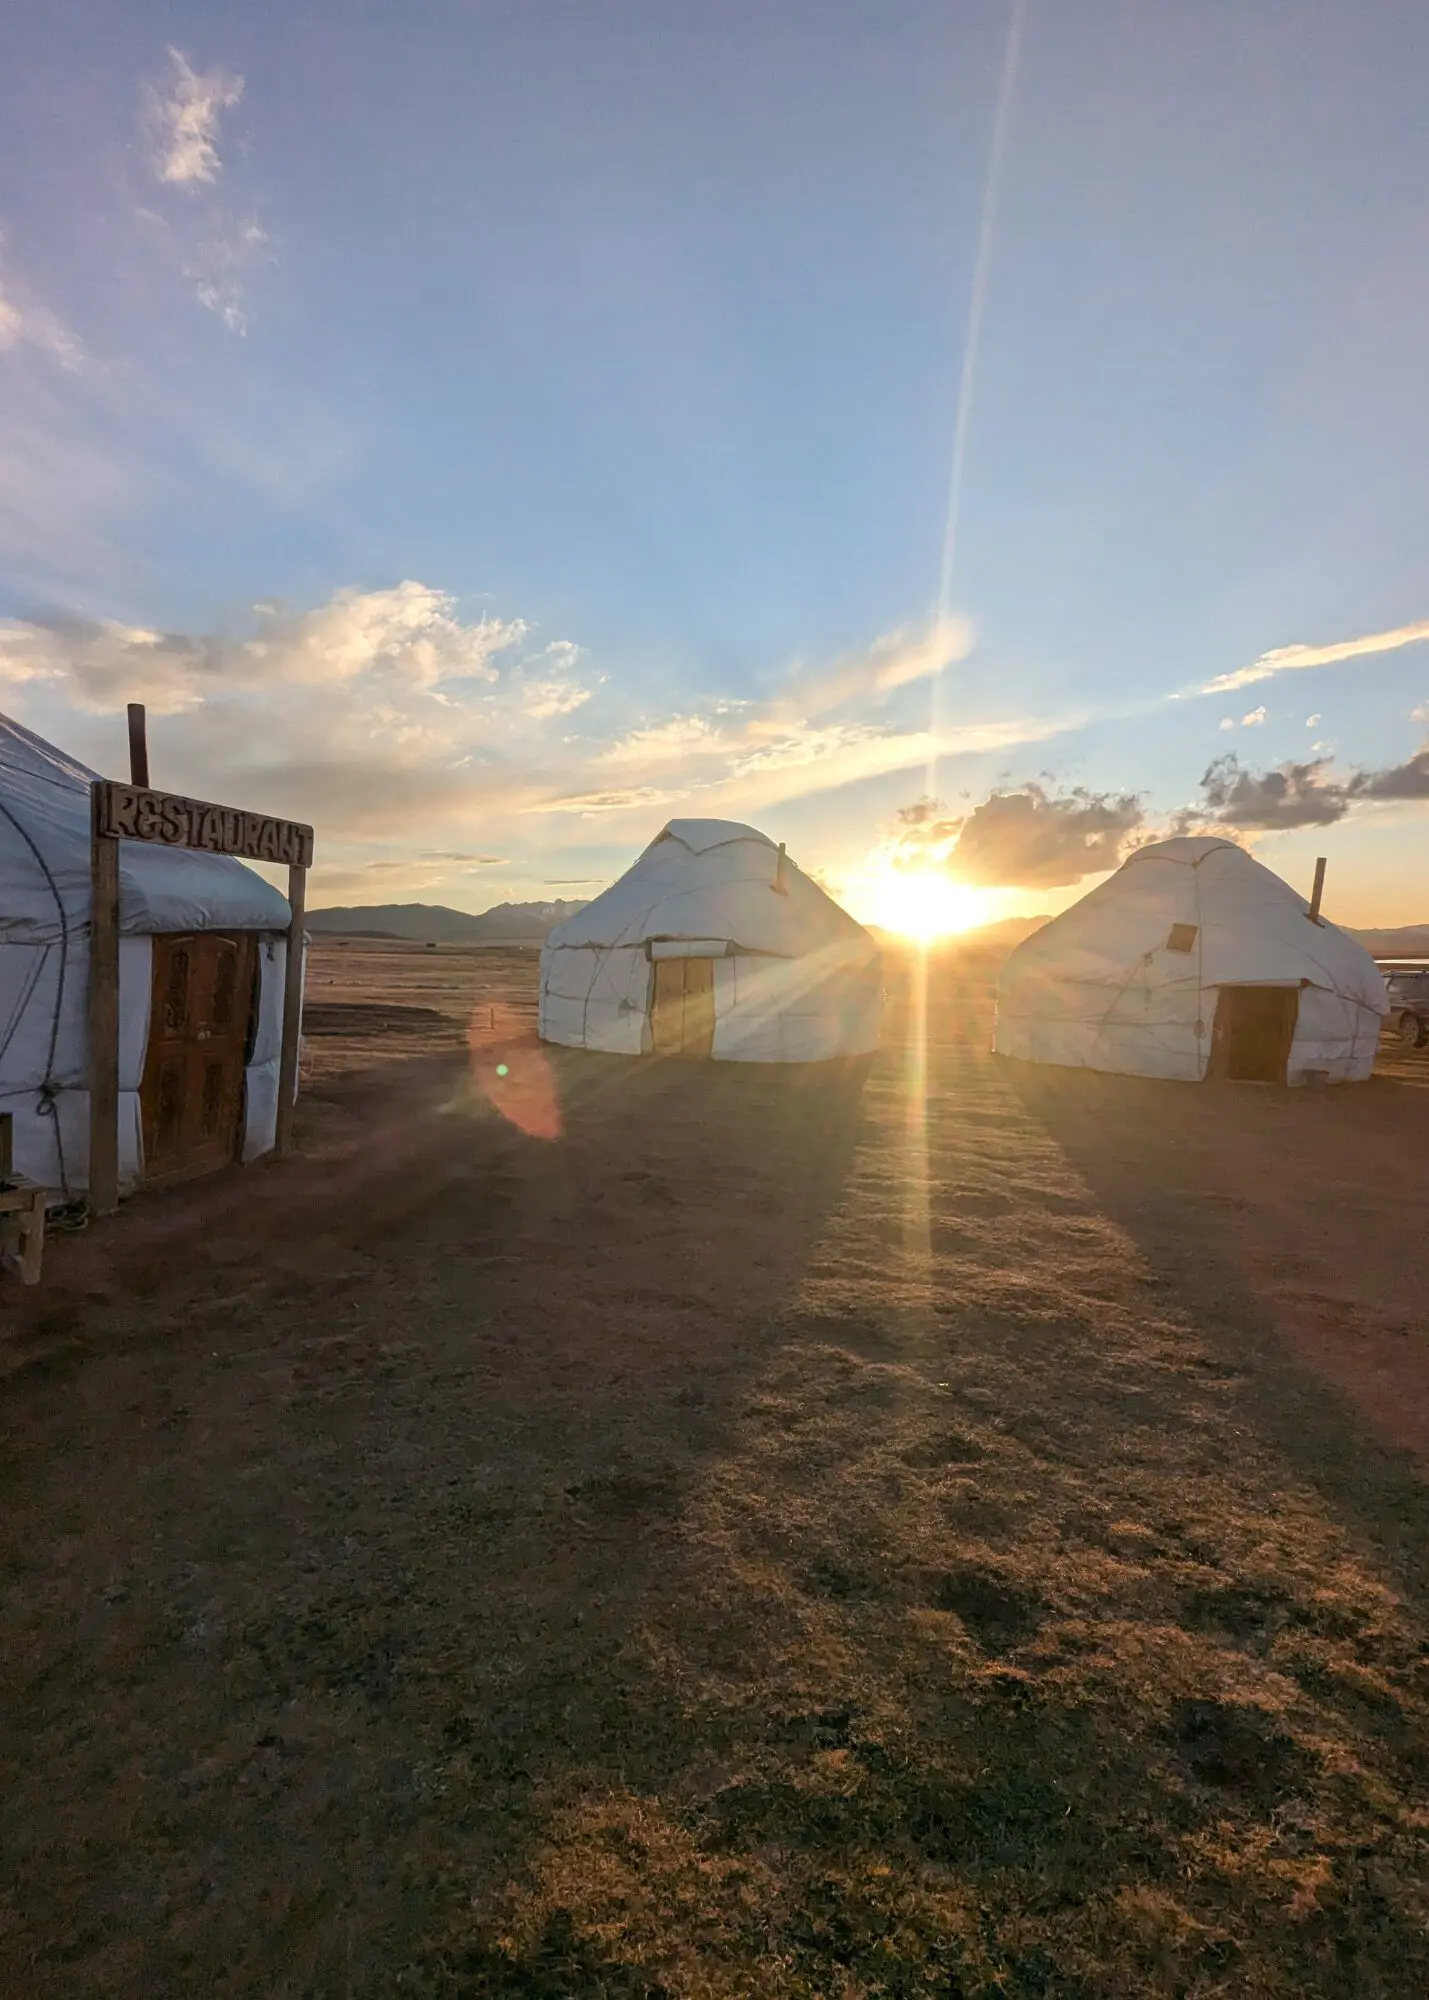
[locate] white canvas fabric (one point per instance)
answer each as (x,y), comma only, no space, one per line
(44,962)
(795,978)
(1101,988)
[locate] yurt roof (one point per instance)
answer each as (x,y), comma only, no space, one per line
(1250,927)
(716,880)
(45,865)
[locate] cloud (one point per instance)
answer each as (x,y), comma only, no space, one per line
(1402,781)
(668,745)
(1297,794)
(468,860)
(389,714)
(1254,719)
(26,322)
(1228,722)
(378,713)
(182,121)
(1268,801)
(894,660)
(611,801)
(1313,721)
(1029,840)
(409,636)
(1287,659)
(219,266)
(547,685)
(1020,838)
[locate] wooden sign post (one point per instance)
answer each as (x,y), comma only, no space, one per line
(134,812)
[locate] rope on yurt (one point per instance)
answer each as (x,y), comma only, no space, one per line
(17,1015)
(48,1099)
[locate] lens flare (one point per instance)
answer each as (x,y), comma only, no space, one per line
(513,1073)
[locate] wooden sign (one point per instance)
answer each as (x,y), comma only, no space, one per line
(132,812)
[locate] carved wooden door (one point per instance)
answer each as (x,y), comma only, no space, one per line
(191,1098)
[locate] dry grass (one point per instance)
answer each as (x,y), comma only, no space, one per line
(771,1541)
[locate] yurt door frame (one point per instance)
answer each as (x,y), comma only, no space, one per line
(682,1010)
(134,812)
(1253,1033)
(201,1012)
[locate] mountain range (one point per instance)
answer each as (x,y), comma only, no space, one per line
(433,923)
(527,923)
(1411,941)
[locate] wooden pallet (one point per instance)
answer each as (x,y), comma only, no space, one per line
(22,1212)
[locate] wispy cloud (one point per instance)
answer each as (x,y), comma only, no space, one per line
(220,266)
(548,686)
(390,717)
(182,115)
(630,799)
(26,322)
(1287,659)
(407,637)
(215,239)
(894,660)
(379,712)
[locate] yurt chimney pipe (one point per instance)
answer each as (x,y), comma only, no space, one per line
(1318,891)
(138,745)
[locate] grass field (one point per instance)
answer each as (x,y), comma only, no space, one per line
(661,1531)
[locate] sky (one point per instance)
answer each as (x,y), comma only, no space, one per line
(962,439)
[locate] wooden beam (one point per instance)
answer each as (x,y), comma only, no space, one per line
(292,1011)
(103,1015)
(138,745)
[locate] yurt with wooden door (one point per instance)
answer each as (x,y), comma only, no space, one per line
(714,944)
(202,950)
(1194,961)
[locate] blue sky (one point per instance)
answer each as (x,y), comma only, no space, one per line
(575,390)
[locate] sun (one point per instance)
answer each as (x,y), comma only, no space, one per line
(924,903)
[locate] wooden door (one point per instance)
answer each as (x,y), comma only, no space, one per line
(682,1007)
(191,1098)
(1255,1026)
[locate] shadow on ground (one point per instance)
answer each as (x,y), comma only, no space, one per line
(333,1493)
(775,1539)
(1031,1633)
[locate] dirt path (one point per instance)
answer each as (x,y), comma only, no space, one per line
(704,1532)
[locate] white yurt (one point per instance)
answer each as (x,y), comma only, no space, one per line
(201,954)
(1191,961)
(714,944)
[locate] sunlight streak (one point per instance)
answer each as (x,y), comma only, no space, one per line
(972,339)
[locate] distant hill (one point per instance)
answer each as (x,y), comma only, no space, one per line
(1412,941)
(1001,937)
(433,923)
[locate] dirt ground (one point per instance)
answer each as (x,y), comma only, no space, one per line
(590,1528)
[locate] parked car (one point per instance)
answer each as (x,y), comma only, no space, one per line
(1408,989)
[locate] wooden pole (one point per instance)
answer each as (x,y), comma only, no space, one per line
(138,745)
(1318,890)
(103,1016)
(292,1011)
